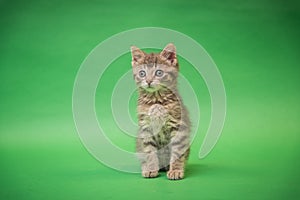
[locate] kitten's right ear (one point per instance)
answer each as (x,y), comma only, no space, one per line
(137,55)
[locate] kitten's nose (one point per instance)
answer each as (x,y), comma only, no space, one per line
(149,82)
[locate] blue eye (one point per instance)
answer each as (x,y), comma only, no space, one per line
(159,73)
(142,73)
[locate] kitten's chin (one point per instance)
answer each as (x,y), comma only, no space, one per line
(151,89)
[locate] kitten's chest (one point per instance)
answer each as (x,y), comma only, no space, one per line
(162,138)
(158,118)
(167,110)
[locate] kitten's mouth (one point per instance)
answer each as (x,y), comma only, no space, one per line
(151,89)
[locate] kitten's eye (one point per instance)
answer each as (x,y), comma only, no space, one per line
(159,73)
(142,73)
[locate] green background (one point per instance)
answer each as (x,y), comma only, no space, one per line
(255,45)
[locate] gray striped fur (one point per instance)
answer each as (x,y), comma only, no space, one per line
(164,134)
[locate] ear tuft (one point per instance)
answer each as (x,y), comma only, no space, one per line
(169,54)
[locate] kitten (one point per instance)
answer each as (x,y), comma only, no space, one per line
(163,137)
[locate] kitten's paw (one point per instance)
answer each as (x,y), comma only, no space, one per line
(175,174)
(150,174)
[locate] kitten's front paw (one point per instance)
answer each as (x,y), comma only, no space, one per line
(150,174)
(175,174)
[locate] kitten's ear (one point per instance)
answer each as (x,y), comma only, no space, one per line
(169,54)
(137,55)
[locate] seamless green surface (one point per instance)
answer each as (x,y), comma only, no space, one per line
(255,45)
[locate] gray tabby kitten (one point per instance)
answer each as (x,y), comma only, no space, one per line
(163,137)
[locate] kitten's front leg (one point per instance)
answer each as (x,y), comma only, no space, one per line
(149,160)
(179,154)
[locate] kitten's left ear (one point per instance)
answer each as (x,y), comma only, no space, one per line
(169,54)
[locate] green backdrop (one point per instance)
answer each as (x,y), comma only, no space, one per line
(255,45)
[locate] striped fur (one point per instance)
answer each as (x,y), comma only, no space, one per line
(163,136)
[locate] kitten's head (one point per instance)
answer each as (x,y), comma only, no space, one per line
(153,72)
